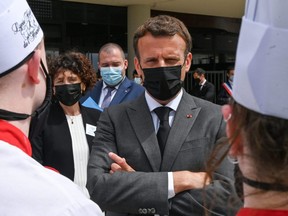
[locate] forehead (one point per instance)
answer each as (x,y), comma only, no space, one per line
(150,46)
(65,74)
(110,55)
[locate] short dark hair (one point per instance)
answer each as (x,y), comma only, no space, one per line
(200,71)
(229,68)
(162,25)
(110,46)
(76,62)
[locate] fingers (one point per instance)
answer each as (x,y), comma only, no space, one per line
(120,162)
(115,167)
(207,180)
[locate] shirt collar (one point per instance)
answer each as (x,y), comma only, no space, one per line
(202,83)
(152,103)
(116,87)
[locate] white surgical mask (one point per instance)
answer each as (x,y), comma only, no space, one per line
(111,75)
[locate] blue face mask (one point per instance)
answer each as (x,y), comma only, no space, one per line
(137,80)
(111,75)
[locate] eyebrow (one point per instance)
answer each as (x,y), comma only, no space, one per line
(150,59)
(108,63)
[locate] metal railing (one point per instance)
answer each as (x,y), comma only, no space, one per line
(215,77)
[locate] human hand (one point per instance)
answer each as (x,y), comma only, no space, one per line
(187,180)
(119,164)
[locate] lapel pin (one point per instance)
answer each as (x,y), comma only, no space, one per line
(189,115)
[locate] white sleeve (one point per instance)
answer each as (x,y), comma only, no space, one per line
(171,192)
(88,208)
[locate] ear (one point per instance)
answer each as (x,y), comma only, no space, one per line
(236,147)
(33,67)
(125,64)
(188,61)
(138,67)
(226,112)
(83,87)
(54,90)
(186,66)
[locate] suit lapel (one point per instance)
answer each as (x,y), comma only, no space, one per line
(205,85)
(184,120)
(141,121)
(122,91)
(97,91)
(85,118)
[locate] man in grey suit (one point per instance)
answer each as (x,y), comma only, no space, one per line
(128,172)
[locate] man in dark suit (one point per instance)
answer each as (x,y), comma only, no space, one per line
(115,87)
(202,89)
(128,172)
(225,92)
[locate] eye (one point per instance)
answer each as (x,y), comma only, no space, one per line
(116,64)
(58,81)
(151,62)
(73,79)
(171,61)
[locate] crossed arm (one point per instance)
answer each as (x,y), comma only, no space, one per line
(118,187)
(183,180)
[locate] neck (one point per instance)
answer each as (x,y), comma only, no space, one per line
(255,198)
(23,125)
(258,190)
(262,194)
(71,110)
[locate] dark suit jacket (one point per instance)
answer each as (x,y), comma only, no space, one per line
(207,92)
(128,130)
(127,91)
(54,146)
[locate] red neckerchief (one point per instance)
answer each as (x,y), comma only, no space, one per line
(261,212)
(15,137)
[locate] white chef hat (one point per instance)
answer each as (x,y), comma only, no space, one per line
(261,71)
(20,33)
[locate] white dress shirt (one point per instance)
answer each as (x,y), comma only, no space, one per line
(105,90)
(80,151)
(153,104)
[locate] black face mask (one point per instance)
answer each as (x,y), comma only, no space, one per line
(68,94)
(163,83)
(197,81)
(39,116)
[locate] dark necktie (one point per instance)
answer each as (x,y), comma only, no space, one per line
(107,98)
(164,128)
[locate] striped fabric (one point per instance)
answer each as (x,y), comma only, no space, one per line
(80,151)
